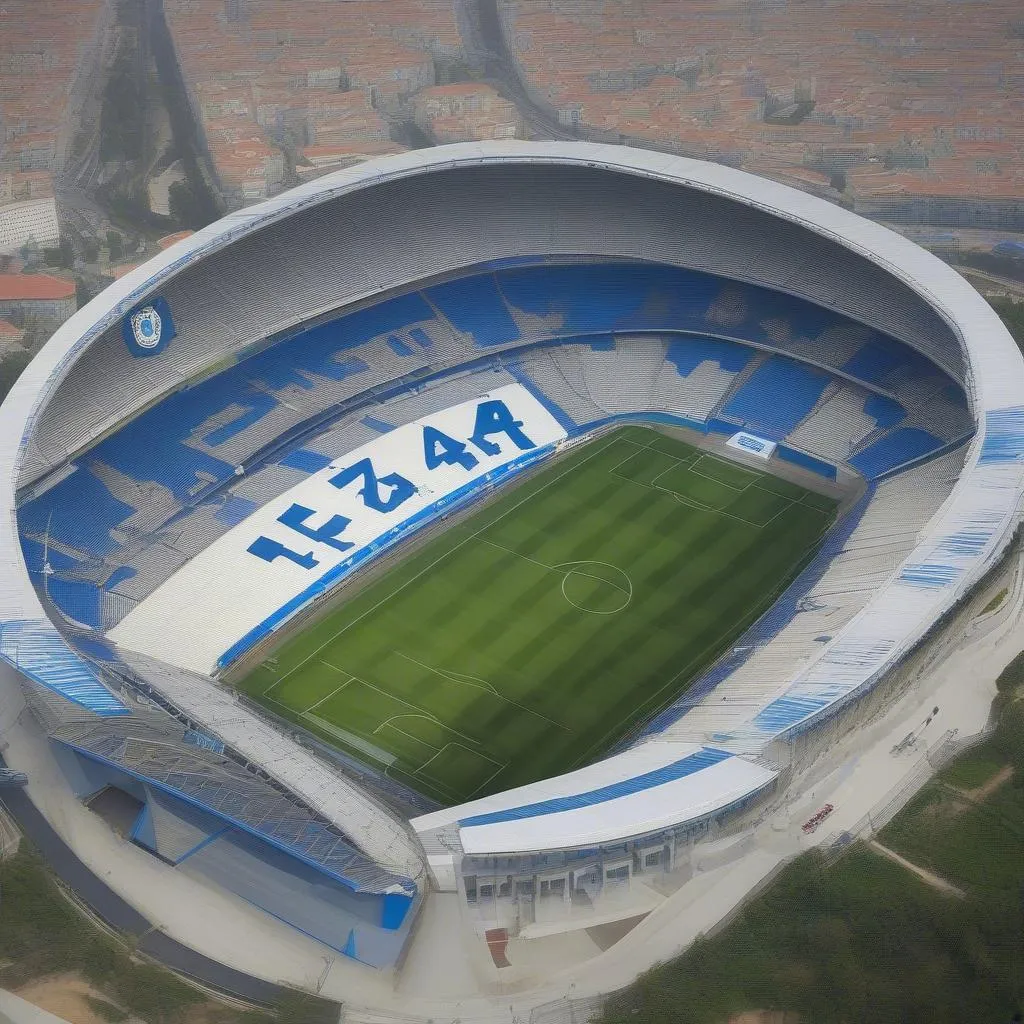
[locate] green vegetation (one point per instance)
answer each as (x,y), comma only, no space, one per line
(11,367)
(42,934)
(1012,313)
(531,636)
(996,601)
(115,246)
(187,209)
(60,256)
(966,836)
(866,940)
(107,1010)
(1011,678)
(121,116)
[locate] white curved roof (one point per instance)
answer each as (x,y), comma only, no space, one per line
(953,551)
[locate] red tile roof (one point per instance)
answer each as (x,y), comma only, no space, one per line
(15,287)
(168,240)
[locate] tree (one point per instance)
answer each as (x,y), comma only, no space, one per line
(1012,313)
(30,252)
(10,369)
(83,293)
(186,209)
(115,243)
(60,256)
(121,114)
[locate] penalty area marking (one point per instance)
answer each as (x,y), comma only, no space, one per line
(464,679)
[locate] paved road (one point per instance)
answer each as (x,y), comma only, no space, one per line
(111,908)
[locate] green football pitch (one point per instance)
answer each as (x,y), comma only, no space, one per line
(528,638)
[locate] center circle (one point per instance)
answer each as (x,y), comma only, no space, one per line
(596,587)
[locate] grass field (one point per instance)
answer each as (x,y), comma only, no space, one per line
(529,637)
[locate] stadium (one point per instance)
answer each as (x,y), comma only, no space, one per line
(502,520)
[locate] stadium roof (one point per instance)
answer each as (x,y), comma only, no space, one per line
(953,551)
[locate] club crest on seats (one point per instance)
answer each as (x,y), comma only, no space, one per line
(147,327)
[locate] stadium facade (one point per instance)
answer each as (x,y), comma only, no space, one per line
(171,453)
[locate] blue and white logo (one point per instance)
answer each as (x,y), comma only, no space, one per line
(147,328)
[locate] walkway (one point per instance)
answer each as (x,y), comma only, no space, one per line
(946,888)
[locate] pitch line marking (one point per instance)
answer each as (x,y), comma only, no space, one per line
(486,782)
(694,503)
(483,684)
(691,463)
(409,714)
(466,679)
(612,440)
(324,700)
(686,463)
(732,487)
(408,735)
(458,797)
(438,788)
(446,791)
(478,753)
(501,767)
(593,561)
(748,621)
(566,573)
(418,712)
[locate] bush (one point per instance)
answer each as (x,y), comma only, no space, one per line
(41,933)
(1012,314)
(1012,676)
(11,367)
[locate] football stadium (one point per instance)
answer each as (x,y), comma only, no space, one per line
(502,522)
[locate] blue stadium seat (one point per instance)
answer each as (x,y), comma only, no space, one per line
(686,355)
(234,508)
(878,361)
(885,411)
(79,512)
(305,460)
(399,347)
(873,362)
(895,449)
(777,396)
(475,306)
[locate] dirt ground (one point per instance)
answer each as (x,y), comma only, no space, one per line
(984,791)
(64,995)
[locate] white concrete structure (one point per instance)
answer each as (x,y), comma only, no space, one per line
(369,230)
(34,219)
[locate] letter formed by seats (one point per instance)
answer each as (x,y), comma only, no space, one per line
(384,494)
(495,417)
(441,450)
(295,517)
(401,489)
